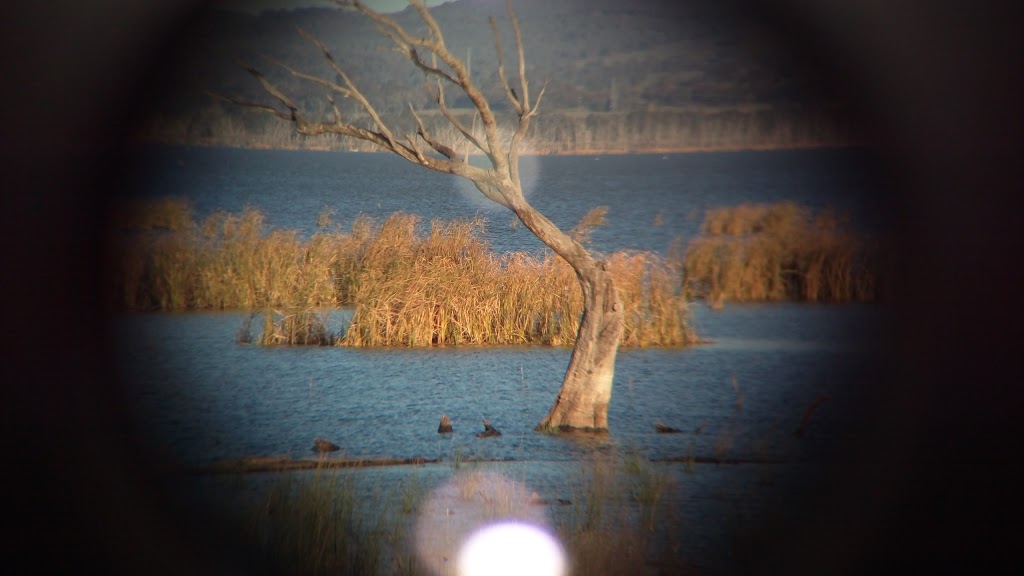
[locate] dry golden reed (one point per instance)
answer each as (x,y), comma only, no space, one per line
(227,262)
(441,286)
(764,252)
(448,289)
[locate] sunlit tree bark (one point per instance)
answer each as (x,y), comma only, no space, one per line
(582,402)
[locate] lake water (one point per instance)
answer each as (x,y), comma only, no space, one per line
(205,398)
(198,396)
(292,187)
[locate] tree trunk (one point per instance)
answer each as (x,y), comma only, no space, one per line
(582,403)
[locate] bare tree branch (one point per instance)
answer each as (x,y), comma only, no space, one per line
(519,49)
(272,90)
(509,92)
(434,70)
(500,183)
(461,78)
(254,105)
(540,96)
(349,91)
(586,389)
(412,144)
(334,108)
(454,120)
(422,132)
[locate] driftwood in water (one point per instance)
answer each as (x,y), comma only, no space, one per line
(663,429)
(320,445)
(446,425)
(489,430)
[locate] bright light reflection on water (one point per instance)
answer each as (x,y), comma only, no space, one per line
(484,522)
(511,548)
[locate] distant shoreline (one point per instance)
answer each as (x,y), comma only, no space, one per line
(542,152)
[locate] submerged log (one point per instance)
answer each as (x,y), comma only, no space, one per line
(489,430)
(320,445)
(446,425)
(663,429)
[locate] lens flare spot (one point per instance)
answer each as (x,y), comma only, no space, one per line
(511,548)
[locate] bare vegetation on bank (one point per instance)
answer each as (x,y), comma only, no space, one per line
(409,287)
(658,130)
(766,252)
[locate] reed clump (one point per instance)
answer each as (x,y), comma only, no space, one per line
(447,289)
(227,262)
(781,251)
(409,284)
(295,328)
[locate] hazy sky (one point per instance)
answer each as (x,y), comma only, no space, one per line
(258,5)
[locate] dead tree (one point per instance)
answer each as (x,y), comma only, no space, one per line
(582,402)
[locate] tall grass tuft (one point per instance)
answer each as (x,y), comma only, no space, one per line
(227,262)
(448,289)
(297,328)
(410,285)
(321,525)
(621,519)
(782,251)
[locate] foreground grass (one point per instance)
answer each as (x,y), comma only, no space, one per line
(612,520)
(319,524)
(441,287)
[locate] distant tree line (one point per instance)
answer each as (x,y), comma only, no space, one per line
(560,131)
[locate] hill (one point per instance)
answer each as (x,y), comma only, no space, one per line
(622,76)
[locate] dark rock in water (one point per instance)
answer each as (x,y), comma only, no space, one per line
(320,445)
(662,429)
(489,430)
(446,425)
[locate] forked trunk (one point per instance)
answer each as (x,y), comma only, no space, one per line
(582,403)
